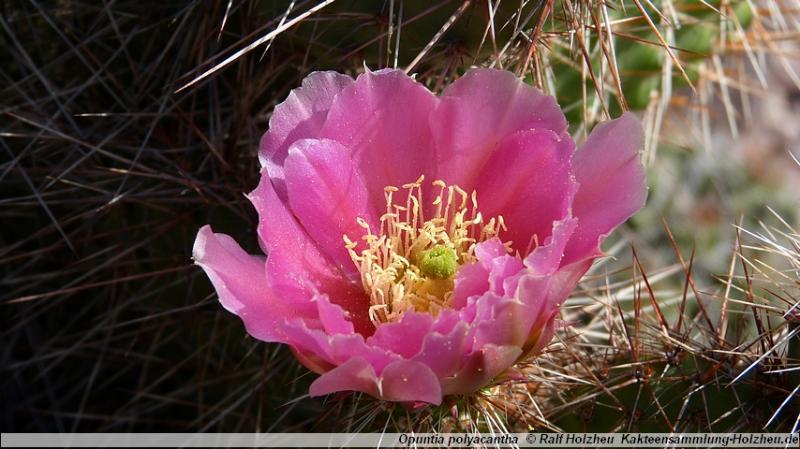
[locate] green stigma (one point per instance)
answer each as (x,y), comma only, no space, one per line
(439,262)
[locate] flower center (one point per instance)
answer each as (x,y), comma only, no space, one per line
(439,262)
(410,262)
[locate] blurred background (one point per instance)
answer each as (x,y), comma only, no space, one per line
(126,125)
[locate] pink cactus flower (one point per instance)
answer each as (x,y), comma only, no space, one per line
(419,246)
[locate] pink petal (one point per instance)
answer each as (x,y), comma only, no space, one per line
(335,348)
(487,251)
(383,119)
(408,381)
(528,180)
(281,236)
(296,269)
(510,324)
(300,116)
(471,280)
(327,195)
(511,283)
(539,295)
(539,340)
(480,368)
(503,267)
(312,362)
(403,337)
(241,285)
(346,347)
(355,374)
(446,321)
(544,295)
(443,353)
(480,308)
(309,341)
(545,259)
(495,267)
(563,281)
(333,317)
(480,109)
(612,184)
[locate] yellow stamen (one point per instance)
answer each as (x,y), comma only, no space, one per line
(409,264)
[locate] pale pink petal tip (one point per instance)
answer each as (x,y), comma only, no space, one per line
(612,182)
(241,284)
(401,381)
(300,116)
